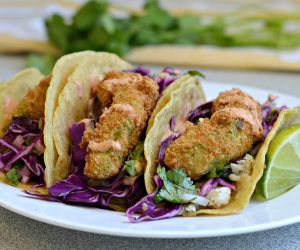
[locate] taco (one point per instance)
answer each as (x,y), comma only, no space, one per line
(99,129)
(67,102)
(28,104)
(13,91)
(212,162)
(22,115)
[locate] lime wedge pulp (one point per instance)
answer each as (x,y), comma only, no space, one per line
(283,163)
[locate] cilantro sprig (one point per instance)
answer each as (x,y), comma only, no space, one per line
(176,183)
(92,27)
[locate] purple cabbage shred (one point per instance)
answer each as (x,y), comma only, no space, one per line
(79,189)
(202,111)
(22,148)
(164,82)
(147,209)
(213,183)
(140,70)
(172,123)
(163,147)
(76,132)
(167,76)
(270,114)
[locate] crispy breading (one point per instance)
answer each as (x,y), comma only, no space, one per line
(104,96)
(229,134)
(33,104)
(133,99)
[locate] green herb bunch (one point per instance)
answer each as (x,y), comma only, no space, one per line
(92,27)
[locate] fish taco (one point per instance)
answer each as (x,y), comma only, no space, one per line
(22,121)
(67,102)
(27,110)
(208,159)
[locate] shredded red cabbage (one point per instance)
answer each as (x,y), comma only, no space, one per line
(79,189)
(164,82)
(76,132)
(270,114)
(140,70)
(147,209)
(171,71)
(167,76)
(213,183)
(172,123)
(163,147)
(22,148)
(202,111)
(67,186)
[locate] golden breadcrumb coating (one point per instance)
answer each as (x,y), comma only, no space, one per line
(132,98)
(33,104)
(230,133)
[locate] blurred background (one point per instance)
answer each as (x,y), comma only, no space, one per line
(240,34)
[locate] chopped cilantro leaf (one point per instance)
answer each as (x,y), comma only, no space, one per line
(27,142)
(196,73)
(13,176)
(138,151)
(176,183)
(130,167)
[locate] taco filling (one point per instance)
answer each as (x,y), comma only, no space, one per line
(107,150)
(202,168)
(22,151)
(22,145)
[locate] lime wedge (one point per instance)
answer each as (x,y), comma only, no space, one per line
(283,164)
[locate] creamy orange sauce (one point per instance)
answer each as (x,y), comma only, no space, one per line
(181,123)
(94,80)
(79,88)
(245,100)
(104,146)
(88,123)
(108,84)
(245,115)
(10,105)
(123,107)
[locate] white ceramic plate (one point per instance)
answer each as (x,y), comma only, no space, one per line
(257,216)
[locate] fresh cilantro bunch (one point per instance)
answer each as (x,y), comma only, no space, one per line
(93,28)
(176,183)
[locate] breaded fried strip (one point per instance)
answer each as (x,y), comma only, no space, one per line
(33,104)
(120,126)
(229,134)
